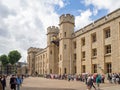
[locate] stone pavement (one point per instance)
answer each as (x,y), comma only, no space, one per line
(37,83)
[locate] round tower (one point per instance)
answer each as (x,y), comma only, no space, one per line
(66,23)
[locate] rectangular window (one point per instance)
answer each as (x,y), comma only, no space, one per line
(93,36)
(94,52)
(75,70)
(83,41)
(50,51)
(94,68)
(64,34)
(83,68)
(65,46)
(109,67)
(107,49)
(107,33)
(74,45)
(50,71)
(65,70)
(75,56)
(83,54)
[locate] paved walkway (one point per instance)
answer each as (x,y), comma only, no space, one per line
(37,83)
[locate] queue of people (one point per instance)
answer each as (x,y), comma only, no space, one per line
(114,78)
(91,80)
(15,82)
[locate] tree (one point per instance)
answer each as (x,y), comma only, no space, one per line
(14,56)
(4,59)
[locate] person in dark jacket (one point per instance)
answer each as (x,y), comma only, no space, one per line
(3,82)
(0,83)
(13,82)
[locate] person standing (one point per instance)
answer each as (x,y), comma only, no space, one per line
(19,82)
(3,82)
(13,82)
(98,81)
(0,84)
(90,82)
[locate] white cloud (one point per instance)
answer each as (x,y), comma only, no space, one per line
(109,5)
(83,19)
(23,23)
(85,16)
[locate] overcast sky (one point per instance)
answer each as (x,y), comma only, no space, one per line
(23,23)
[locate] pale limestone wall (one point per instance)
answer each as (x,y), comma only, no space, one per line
(52,50)
(112,21)
(41,62)
(56,59)
(66,30)
(51,58)
(119,46)
(115,43)
(66,56)
(73,60)
(31,59)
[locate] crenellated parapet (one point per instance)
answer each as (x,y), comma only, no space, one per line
(67,18)
(102,21)
(52,29)
(34,50)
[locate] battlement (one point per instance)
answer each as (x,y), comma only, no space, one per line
(103,20)
(34,50)
(67,18)
(52,29)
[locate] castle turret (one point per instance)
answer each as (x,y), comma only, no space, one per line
(67,19)
(51,31)
(52,49)
(66,24)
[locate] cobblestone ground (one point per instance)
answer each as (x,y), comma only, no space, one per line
(37,83)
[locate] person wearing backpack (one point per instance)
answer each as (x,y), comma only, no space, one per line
(19,81)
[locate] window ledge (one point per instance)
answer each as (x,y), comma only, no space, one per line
(83,59)
(107,37)
(94,42)
(94,57)
(83,45)
(109,54)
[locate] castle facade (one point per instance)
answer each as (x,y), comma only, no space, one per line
(94,48)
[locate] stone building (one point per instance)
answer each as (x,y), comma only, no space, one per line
(94,48)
